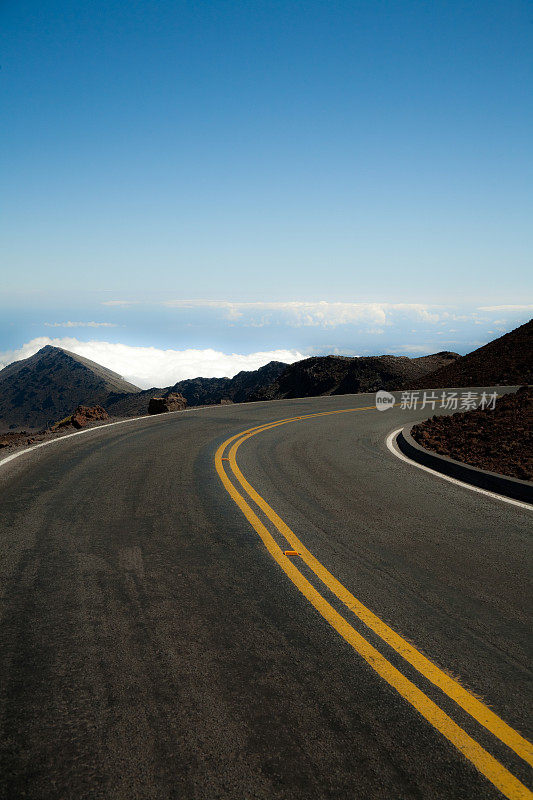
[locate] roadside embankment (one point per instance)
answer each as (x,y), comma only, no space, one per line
(498,440)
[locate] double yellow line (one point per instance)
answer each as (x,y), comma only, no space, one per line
(496,773)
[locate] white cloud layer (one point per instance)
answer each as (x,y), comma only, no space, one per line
(368,318)
(70,324)
(150,366)
(120,303)
(526,307)
(320,314)
(411,348)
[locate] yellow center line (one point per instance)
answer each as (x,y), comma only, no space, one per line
(484,762)
(480,712)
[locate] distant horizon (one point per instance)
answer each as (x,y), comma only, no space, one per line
(241,180)
(148,367)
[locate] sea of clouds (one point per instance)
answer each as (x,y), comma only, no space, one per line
(150,366)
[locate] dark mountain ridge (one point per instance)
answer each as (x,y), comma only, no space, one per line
(326,375)
(202,391)
(506,361)
(41,389)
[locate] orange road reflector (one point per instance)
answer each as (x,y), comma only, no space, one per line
(225,459)
(290,553)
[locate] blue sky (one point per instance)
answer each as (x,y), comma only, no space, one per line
(208,165)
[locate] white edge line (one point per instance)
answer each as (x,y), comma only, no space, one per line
(391,444)
(118,422)
(130,419)
(87,430)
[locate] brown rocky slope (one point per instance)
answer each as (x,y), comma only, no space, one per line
(499,440)
(163,405)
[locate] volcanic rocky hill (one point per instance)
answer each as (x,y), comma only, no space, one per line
(326,375)
(201,391)
(41,389)
(507,361)
(498,440)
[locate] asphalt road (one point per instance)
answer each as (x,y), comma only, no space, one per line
(151,646)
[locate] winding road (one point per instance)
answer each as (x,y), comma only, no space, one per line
(156,641)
